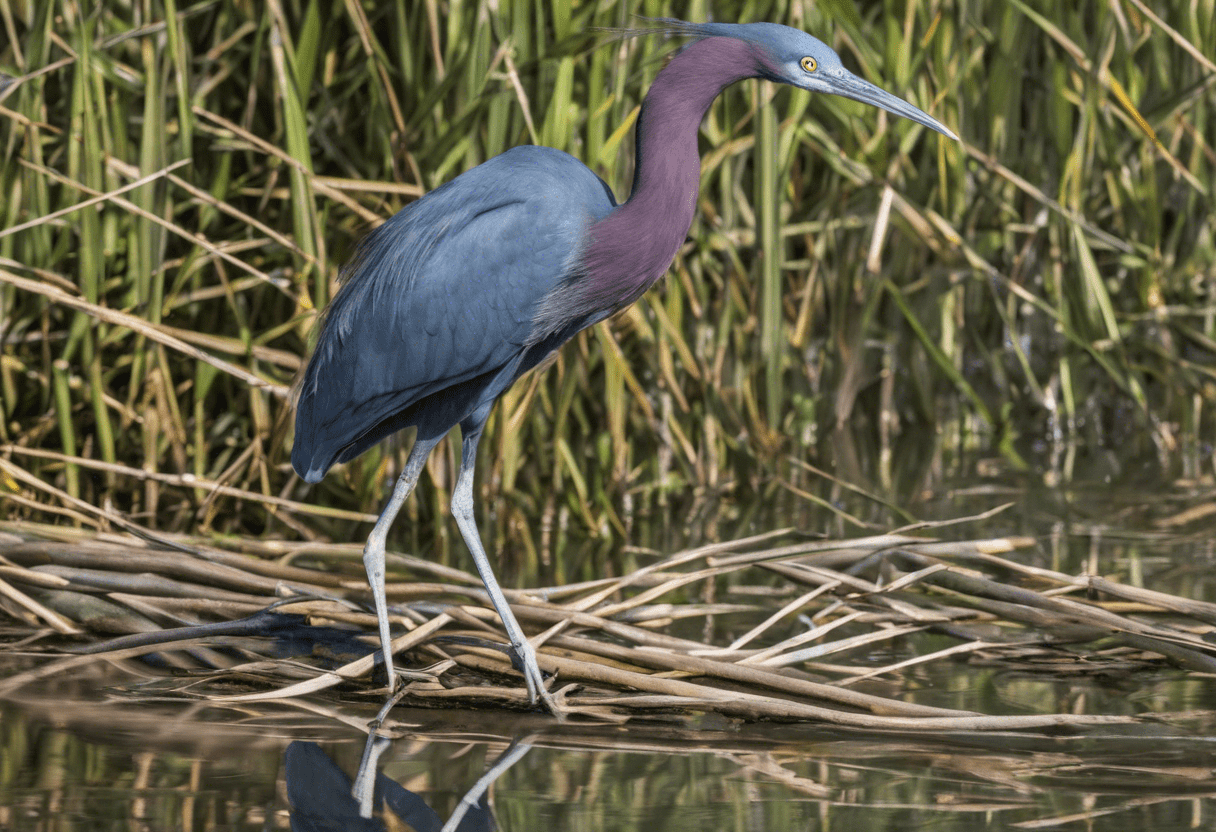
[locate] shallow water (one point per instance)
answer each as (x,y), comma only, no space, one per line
(98,751)
(151,774)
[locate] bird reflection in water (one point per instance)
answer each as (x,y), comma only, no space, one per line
(323,798)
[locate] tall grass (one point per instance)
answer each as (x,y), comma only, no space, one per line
(181,184)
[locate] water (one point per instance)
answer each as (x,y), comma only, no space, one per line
(101,749)
(107,766)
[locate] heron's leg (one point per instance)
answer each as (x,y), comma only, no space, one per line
(373,552)
(462,510)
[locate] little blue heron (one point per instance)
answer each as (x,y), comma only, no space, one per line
(460,293)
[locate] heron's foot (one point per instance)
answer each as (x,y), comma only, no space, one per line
(524,660)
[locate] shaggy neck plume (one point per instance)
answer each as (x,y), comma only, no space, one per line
(632,247)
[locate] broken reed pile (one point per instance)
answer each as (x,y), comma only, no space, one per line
(620,647)
(181,182)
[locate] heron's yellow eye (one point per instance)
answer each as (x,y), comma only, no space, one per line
(809,64)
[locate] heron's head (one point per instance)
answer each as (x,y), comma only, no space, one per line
(793,57)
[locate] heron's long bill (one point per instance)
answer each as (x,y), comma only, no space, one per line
(850,86)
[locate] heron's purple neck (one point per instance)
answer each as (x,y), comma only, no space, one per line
(631,248)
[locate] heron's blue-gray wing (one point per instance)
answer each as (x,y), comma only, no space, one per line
(438,306)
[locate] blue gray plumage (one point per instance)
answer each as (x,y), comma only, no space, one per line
(474,258)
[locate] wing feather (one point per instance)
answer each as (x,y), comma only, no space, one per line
(441,296)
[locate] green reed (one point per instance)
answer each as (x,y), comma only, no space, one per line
(856,292)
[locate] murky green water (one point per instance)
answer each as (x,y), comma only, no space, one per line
(152,774)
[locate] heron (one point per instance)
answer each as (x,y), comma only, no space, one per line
(450,301)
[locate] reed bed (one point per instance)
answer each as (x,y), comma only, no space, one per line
(840,633)
(180,184)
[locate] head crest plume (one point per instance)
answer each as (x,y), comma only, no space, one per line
(667,26)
